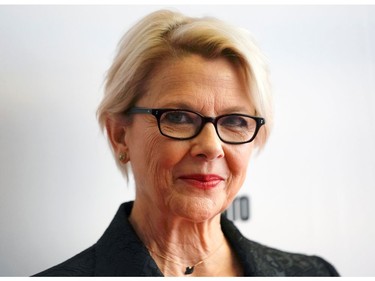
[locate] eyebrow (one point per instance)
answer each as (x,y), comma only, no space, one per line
(178,105)
(229,110)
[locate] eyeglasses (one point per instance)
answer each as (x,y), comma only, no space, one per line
(182,124)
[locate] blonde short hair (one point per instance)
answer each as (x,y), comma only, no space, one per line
(165,35)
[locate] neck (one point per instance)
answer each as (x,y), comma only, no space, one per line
(176,243)
(170,234)
(190,268)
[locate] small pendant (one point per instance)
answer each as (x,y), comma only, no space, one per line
(189,270)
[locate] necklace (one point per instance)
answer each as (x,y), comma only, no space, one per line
(188,269)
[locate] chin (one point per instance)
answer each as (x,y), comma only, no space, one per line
(197,209)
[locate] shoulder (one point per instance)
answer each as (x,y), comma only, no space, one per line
(273,262)
(261,260)
(118,252)
(82,264)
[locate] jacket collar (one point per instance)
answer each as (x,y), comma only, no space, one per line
(120,252)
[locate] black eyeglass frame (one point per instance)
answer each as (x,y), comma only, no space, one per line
(158,112)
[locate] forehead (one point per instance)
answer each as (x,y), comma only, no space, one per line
(195,69)
(199,81)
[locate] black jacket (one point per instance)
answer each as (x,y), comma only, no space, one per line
(119,252)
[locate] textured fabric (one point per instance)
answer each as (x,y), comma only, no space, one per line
(119,252)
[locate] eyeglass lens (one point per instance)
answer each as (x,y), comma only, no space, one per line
(186,124)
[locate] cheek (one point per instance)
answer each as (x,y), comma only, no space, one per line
(155,157)
(163,154)
(238,161)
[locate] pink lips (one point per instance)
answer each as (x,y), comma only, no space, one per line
(202,181)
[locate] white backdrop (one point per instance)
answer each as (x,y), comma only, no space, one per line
(311,189)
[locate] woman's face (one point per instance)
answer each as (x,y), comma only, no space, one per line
(198,178)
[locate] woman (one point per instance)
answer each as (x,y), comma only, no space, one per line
(187,102)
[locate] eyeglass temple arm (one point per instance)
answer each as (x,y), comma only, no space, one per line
(140,110)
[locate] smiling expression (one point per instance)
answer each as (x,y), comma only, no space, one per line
(194,179)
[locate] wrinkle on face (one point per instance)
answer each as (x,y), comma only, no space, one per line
(211,88)
(168,87)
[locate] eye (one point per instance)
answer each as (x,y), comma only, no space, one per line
(178,117)
(234,121)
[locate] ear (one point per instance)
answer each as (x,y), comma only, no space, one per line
(116,130)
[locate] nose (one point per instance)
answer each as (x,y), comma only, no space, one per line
(207,144)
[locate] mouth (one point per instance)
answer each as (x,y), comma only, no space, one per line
(202,181)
